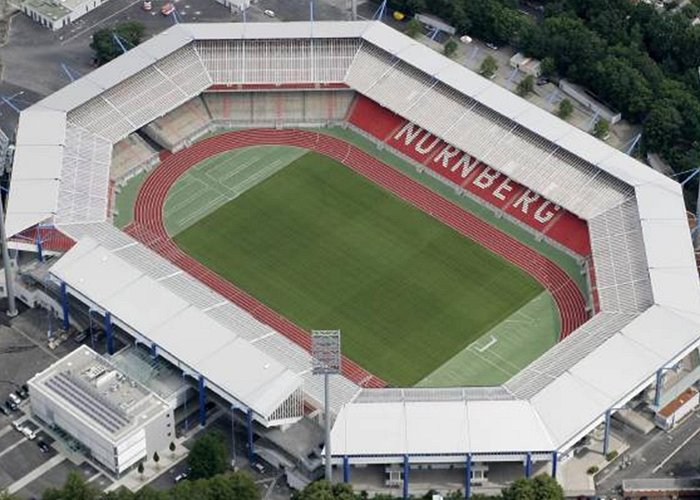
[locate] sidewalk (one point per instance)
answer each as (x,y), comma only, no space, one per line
(133,481)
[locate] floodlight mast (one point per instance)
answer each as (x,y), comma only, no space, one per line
(9,280)
(326,359)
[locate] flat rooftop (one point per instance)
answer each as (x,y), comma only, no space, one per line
(93,388)
(47,8)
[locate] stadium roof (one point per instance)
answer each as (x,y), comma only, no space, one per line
(182,332)
(645,266)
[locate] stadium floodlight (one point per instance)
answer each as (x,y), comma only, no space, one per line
(326,360)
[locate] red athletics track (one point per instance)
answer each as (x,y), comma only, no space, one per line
(149,228)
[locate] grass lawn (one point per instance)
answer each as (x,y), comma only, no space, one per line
(329,249)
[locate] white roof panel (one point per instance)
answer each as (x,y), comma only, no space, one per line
(449,434)
(568,405)
(94,271)
(71,96)
(387,39)
(583,145)
(468,83)
(660,201)
(676,288)
(30,202)
(275,30)
(663,332)
(247,373)
(39,126)
(37,162)
(666,244)
(616,367)
(502,101)
(128,302)
(179,334)
(367,429)
(417,54)
(503,426)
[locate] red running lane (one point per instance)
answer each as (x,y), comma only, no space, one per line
(149,228)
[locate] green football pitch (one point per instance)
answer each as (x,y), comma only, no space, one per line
(418,304)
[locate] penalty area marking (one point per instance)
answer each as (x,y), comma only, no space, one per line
(491,342)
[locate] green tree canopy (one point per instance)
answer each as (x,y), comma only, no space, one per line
(601,129)
(209,456)
(488,67)
(75,488)
(106,48)
(542,487)
(566,109)
(526,86)
(414,28)
(450,47)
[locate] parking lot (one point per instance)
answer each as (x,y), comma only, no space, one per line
(26,468)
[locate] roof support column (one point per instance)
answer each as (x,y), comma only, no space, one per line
(109,332)
(606,435)
(406,469)
(346,469)
(202,401)
(154,350)
(528,464)
(39,248)
(659,384)
(64,306)
(468,477)
(555,458)
(249,422)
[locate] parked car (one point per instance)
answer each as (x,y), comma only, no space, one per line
(10,405)
(15,398)
(269,13)
(491,46)
(167,9)
(147,5)
(4,410)
(81,336)
(21,394)
(259,467)
(30,434)
(181,477)
(43,446)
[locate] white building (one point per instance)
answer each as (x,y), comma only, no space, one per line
(116,418)
(55,14)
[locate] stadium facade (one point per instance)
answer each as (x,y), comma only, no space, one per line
(645,306)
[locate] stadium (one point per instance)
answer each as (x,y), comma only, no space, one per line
(504,282)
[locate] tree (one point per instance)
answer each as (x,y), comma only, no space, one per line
(663,127)
(601,129)
(450,47)
(566,109)
(208,456)
(548,67)
(526,86)
(414,28)
(4,495)
(488,67)
(140,469)
(75,488)
(172,449)
(542,487)
(105,46)
(323,490)
(156,459)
